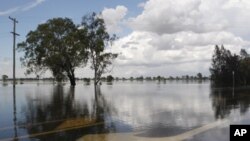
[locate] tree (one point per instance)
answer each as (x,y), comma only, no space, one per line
(5,77)
(141,78)
(98,39)
(244,54)
(159,78)
(110,78)
(131,78)
(171,78)
(148,78)
(199,76)
(225,67)
(245,67)
(57,45)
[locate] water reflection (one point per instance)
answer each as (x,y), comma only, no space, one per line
(145,109)
(224,100)
(62,117)
(4,84)
(109,83)
(14,114)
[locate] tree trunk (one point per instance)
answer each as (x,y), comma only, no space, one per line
(72,80)
(95,79)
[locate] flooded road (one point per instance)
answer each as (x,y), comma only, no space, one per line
(124,110)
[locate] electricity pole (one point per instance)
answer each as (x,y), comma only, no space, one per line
(14,49)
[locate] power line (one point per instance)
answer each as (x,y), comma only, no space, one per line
(14,49)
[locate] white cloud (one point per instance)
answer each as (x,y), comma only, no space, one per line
(167,16)
(24,7)
(191,39)
(9,11)
(32,5)
(173,37)
(113,18)
(142,4)
(184,51)
(5,64)
(147,48)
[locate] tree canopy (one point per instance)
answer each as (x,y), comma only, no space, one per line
(228,68)
(57,45)
(98,39)
(4,77)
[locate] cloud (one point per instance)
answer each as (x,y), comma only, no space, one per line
(191,39)
(184,51)
(5,64)
(200,16)
(142,4)
(113,18)
(24,7)
(9,11)
(173,37)
(32,5)
(166,16)
(150,48)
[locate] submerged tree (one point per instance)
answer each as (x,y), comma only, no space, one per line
(110,78)
(5,77)
(226,68)
(98,39)
(57,45)
(245,67)
(199,76)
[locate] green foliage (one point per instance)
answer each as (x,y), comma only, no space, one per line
(245,67)
(131,78)
(141,78)
(4,77)
(158,78)
(227,68)
(86,80)
(57,45)
(244,54)
(199,76)
(148,78)
(110,78)
(98,38)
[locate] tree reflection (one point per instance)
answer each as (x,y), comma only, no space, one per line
(4,84)
(61,117)
(224,100)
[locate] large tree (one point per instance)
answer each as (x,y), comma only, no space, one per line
(5,77)
(57,45)
(225,67)
(98,39)
(245,67)
(199,76)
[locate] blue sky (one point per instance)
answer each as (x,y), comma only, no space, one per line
(29,18)
(156,37)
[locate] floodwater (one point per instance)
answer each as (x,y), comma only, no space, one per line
(124,110)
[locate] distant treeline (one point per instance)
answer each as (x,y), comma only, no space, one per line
(230,69)
(162,78)
(111,78)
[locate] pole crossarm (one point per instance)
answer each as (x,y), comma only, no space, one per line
(15,33)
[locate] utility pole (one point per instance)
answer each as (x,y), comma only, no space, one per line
(14,48)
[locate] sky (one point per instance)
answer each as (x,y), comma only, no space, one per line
(156,37)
